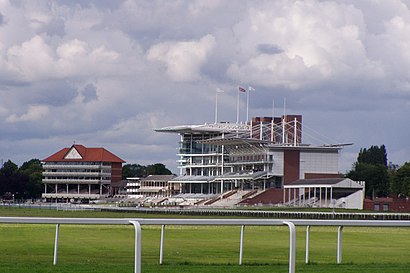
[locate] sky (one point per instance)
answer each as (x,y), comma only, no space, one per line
(108,73)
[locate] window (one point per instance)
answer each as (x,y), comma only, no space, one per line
(376,207)
(385,207)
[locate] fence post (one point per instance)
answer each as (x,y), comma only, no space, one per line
(161,247)
(339,245)
(292,246)
(241,245)
(307,244)
(56,244)
(137,258)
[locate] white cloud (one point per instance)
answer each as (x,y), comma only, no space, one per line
(34,113)
(32,59)
(183,60)
(342,64)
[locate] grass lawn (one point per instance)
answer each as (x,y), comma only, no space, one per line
(212,249)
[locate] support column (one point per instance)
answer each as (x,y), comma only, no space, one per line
(320,197)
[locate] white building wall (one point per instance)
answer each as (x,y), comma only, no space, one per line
(318,162)
(278,163)
(353,201)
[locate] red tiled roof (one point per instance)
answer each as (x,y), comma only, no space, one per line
(87,154)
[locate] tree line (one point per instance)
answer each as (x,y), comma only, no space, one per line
(21,182)
(382,178)
(25,182)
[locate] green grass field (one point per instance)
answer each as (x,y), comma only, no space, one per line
(84,248)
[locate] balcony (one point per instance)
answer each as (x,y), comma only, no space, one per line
(72,195)
(75,167)
(74,181)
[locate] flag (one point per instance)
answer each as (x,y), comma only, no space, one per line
(241,89)
(250,88)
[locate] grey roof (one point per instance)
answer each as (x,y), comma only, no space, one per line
(318,181)
(332,182)
(165,177)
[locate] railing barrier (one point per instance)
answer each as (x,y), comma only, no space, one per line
(201,222)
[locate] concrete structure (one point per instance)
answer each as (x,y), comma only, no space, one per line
(324,193)
(156,185)
(80,174)
(265,153)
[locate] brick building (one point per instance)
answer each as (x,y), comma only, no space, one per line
(80,174)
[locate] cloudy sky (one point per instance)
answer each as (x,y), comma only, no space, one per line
(107,73)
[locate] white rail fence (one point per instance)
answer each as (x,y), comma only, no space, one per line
(137,222)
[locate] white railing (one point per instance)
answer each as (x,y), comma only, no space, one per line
(137,222)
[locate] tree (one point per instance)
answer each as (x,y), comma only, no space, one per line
(375,176)
(34,171)
(400,181)
(374,155)
(371,167)
(9,168)
(136,170)
(23,182)
(158,169)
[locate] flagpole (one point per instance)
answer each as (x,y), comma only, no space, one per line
(237,108)
(216,106)
(247,105)
(250,88)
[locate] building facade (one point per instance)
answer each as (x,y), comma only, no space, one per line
(80,174)
(267,152)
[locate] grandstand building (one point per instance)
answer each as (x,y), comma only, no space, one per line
(80,174)
(265,153)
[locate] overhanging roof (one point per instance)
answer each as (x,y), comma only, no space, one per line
(325,183)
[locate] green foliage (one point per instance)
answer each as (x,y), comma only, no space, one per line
(400,181)
(374,155)
(8,169)
(371,167)
(136,170)
(23,182)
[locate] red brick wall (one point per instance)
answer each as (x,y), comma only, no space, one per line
(391,204)
(291,166)
(116,172)
(322,175)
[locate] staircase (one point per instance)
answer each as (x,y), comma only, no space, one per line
(268,197)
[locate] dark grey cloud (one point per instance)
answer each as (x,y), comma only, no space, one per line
(89,93)
(269,49)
